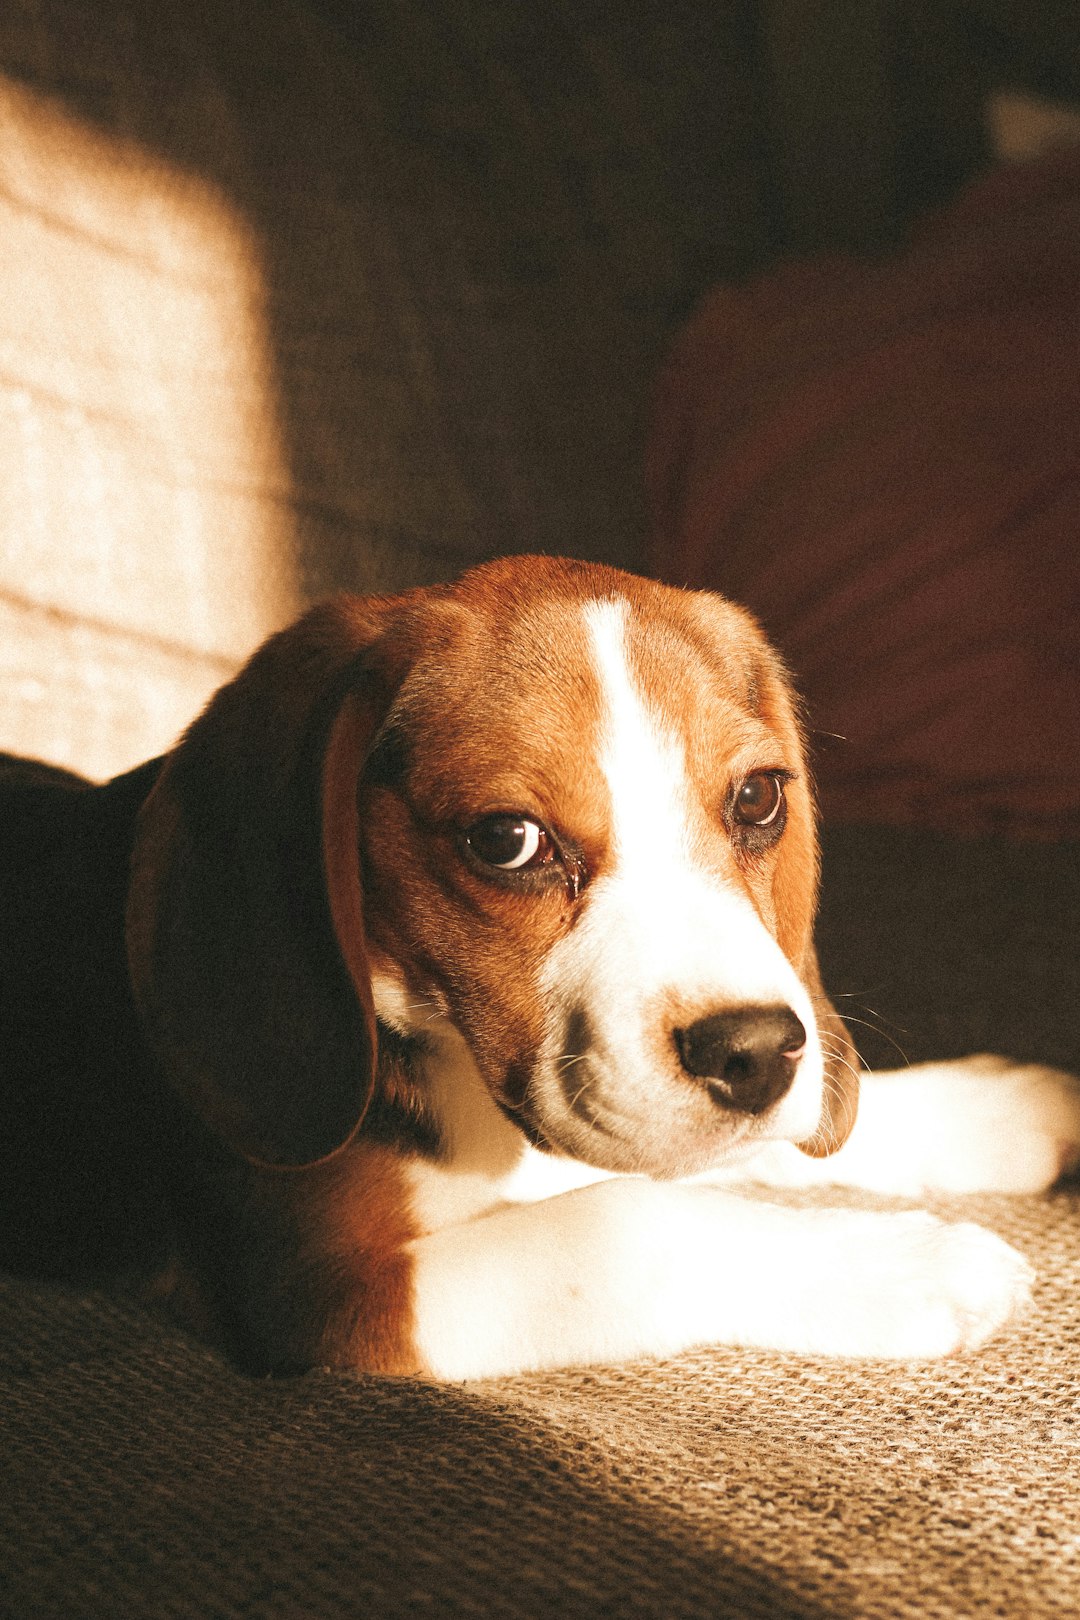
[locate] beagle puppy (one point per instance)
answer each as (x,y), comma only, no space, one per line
(469,940)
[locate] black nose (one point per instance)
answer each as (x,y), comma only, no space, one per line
(746,1056)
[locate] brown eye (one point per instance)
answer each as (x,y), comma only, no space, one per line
(760,800)
(511,843)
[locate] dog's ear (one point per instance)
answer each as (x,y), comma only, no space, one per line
(795,895)
(840,1101)
(245,918)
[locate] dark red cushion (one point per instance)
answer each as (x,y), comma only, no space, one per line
(883,462)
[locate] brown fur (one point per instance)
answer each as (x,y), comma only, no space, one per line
(308,829)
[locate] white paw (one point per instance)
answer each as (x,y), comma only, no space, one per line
(996,1126)
(978,1124)
(911,1286)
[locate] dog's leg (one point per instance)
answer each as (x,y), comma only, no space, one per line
(631,1267)
(979,1124)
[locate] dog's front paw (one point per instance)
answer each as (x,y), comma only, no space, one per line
(916,1287)
(997,1126)
(978,1124)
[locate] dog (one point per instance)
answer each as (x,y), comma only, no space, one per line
(444,976)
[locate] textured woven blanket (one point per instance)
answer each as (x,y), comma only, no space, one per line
(284,308)
(141,1474)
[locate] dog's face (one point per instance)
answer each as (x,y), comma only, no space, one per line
(568,811)
(587,839)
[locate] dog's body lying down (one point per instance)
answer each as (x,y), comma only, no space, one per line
(468,938)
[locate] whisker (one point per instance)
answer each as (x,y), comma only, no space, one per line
(880,1025)
(833,1049)
(855,995)
(568,1061)
(843,1063)
(884,1033)
(573,1101)
(867,1023)
(422,1007)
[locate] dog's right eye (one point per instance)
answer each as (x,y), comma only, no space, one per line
(511,843)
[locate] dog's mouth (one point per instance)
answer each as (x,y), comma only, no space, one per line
(658,1130)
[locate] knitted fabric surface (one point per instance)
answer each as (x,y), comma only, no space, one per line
(143,1475)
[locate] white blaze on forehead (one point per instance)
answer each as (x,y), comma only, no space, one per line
(694,928)
(645,771)
(659,922)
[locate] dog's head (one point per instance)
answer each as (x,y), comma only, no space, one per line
(561,809)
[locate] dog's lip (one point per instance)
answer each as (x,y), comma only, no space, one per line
(559,1115)
(534,1133)
(624,1142)
(599,1112)
(670,1159)
(582,1105)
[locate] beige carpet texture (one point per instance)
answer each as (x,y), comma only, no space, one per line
(723,1483)
(347,294)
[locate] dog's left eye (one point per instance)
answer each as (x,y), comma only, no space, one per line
(511,843)
(760,800)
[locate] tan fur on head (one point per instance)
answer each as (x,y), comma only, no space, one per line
(486,911)
(314,815)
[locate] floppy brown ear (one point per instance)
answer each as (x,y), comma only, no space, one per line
(840,1102)
(795,896)
(244,919)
